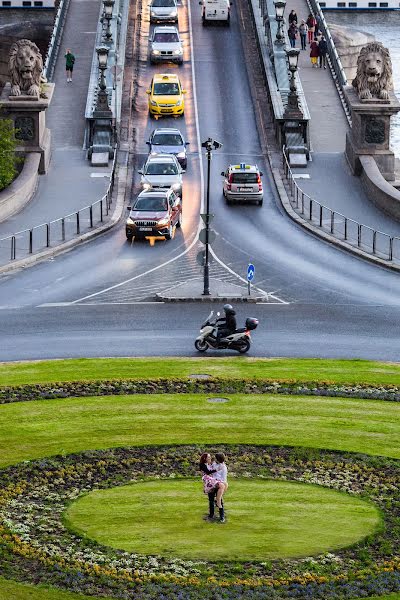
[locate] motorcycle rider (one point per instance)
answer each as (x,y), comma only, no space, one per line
(227,325)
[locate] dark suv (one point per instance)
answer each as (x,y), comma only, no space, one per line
(154,213)
(168,140)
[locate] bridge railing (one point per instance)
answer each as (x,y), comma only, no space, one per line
(31,241)
(358,235)
(55,40)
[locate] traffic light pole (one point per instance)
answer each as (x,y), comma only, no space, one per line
(206,290)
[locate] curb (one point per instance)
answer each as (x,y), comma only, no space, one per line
(284,198)
(243,299)
(86,237)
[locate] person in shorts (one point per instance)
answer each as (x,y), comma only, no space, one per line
(69,63)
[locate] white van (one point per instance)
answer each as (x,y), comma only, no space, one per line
(215,10)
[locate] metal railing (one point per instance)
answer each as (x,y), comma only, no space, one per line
(55,40)
(363,237)
(53,233)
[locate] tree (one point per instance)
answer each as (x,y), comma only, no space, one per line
(8,158)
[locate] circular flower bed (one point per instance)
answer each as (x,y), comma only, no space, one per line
(36,546)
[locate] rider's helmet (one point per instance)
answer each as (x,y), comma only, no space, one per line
(229,310)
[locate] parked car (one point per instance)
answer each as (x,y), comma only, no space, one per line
(165,11)
(166,45)
(154,213)
(243,182)
(162,171)
(169,140)
(166,96)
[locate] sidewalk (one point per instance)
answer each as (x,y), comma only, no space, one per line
(68,185)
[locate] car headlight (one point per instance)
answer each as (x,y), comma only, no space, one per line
(179,103)
(177,52)
(129,221)
(153,102)
(173,13)
(156,52)
(146,186)
(163,221)
(176,186)
(181,155)
(153,13)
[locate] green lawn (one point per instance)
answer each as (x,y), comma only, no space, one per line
(43,428)
(348,371)
(267,520)
(36,429)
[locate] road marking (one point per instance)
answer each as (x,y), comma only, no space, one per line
(58,304)
(301,176)
(100,175)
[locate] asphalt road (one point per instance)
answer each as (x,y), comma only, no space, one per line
(96,300)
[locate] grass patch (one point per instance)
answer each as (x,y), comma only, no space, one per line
(44,428)
(11,590)
(267,520)
(340,371)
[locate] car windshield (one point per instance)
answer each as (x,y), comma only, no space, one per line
(161,169)
(166,89)
(244,177)
(163,3)
(166,38)
(151,203)
(167,139)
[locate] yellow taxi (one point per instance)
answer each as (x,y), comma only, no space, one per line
(166,96)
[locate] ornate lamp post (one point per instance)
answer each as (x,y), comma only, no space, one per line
(293,110)
(102,96)
(108,14)
(280,6)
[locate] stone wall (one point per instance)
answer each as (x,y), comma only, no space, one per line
(378,190)
(348,42)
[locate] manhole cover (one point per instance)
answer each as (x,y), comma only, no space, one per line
(199,376)
(217,399)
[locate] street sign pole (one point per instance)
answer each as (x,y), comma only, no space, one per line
(250,276)
(206,290)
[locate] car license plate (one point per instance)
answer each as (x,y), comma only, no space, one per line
(244,189)
(145,228)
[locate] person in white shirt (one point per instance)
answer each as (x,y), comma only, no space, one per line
(221,475)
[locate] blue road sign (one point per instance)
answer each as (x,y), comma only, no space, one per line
(250,272)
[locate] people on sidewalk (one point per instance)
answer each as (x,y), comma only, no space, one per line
(311,23)
(292,34)
(303,30)
(292,17)
(323,50)
(314,53)
(69,63)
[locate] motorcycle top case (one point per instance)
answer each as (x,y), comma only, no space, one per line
(251,323)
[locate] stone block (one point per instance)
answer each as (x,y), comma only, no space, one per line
(99,159)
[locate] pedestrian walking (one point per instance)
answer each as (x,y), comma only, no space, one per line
(303,30)
(69,63)
(314,53)
(293,33)
(323,51)
(292,17)
(311,23)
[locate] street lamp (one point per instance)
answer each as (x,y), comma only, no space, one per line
(102,96)
(209,145)
(280,6)
(293,110)
(108,13)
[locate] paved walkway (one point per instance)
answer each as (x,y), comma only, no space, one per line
(68,185)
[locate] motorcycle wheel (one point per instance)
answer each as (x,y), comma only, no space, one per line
(200,345)
(244,347)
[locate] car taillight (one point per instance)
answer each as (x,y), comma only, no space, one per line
(259,183)
(229,184)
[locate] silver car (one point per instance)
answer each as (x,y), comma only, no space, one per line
(163,11)
(162,171)
(243,183)
(166,45)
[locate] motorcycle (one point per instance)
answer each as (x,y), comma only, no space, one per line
(239,340)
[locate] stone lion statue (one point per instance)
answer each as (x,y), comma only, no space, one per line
(374,72)
(25,66)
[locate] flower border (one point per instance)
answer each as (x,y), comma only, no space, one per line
(36,546)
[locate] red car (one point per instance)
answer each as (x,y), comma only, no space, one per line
(154,213)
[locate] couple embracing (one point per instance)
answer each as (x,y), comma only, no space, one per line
(215,480)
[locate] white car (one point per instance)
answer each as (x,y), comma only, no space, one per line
(163,11)
(243,183)
(166,45)
(162,171)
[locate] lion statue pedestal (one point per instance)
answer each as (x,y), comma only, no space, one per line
(372,102)
(26,99)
